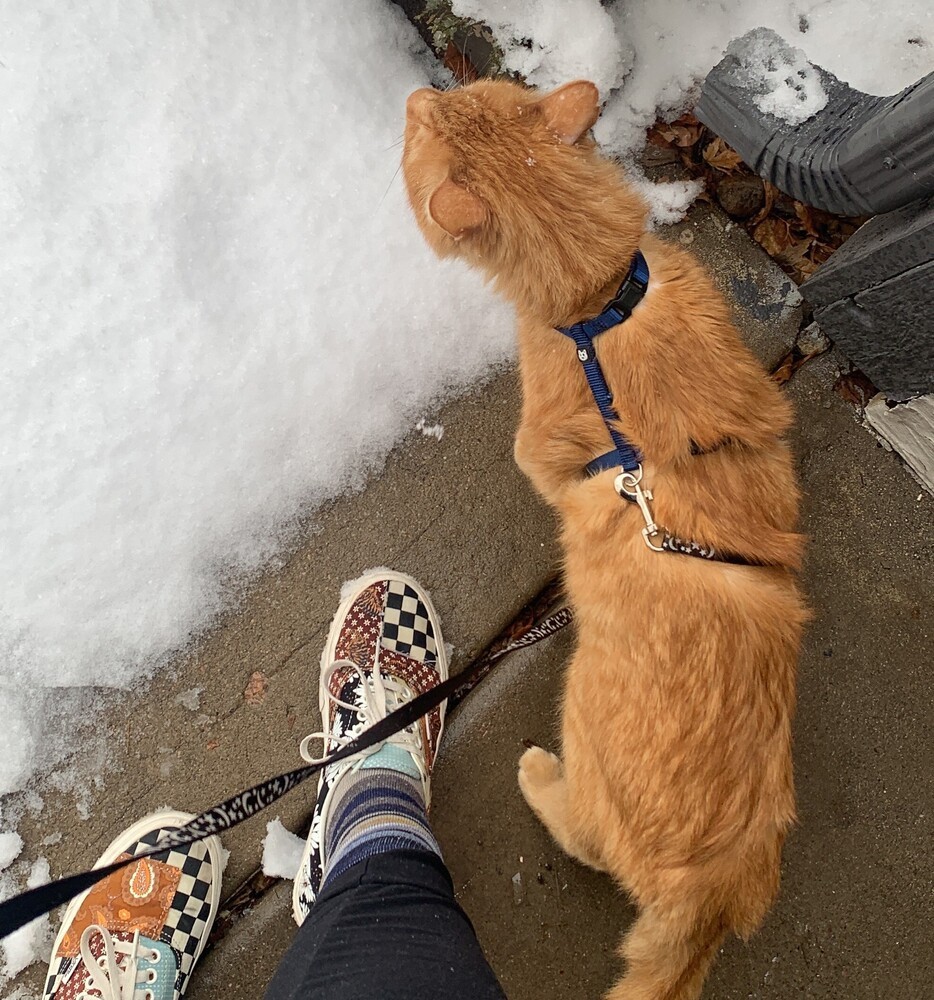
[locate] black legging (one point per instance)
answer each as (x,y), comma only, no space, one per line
(387,929)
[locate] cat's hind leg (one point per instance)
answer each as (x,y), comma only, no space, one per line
(543,784)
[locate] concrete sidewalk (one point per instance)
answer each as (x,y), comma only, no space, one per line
(856,910)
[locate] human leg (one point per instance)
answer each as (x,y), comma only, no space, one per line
(374,901)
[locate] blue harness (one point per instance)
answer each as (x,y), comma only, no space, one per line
(625,455)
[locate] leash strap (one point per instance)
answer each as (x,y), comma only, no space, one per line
(19,910)
(628,296)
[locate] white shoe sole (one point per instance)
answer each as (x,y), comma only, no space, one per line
(351,591)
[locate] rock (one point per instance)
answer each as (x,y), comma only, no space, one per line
(741,196)
(812,341)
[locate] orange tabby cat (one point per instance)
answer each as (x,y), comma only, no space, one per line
(676,773)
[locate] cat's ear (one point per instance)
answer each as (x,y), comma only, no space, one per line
(571,110)
(455,209)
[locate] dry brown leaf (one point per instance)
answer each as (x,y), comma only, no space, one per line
(796,251)
(684,136)
(772,235)
(855,388)
(212,745)
(719,155)
(255,691)
(771,191)
(808,218)
(688,118)
(804,269)
(784,369)
(792,361)
(656,136)
(821,252)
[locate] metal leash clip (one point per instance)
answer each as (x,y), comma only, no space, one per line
(629,484)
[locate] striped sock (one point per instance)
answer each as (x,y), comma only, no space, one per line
(375,810)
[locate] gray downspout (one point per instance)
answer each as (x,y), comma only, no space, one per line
(860,155)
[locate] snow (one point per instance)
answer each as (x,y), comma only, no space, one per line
(30,943)
(668,202)
(782,80)
(282,851)
(217,315)
(648,56)
(11,843)
(549,42)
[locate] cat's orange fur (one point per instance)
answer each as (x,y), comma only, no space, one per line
(676,773)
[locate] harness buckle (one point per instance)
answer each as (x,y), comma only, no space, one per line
(630,485)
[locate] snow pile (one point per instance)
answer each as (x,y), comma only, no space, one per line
(668,201)
(653,53)
(552,42)
(216,312)
(282,851)
(30,943)
(783,82)
(11,843)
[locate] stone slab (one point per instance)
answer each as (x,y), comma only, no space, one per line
(886,246)
(888,331)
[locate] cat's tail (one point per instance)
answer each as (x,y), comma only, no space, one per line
(668,954)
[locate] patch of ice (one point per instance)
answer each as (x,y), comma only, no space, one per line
(783,82)
(30,943)
(282,851)
(190,699)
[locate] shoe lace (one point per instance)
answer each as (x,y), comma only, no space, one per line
(377,696)
(108,979)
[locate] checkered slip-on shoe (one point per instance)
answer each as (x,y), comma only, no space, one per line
(138,934)
(384,649)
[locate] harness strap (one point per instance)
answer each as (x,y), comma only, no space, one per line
(629,294)
(610,459)
(625,456)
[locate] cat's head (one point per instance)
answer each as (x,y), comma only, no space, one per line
(509,179)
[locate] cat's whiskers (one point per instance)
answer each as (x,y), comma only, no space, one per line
(390,184)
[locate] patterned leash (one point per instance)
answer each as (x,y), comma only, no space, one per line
(19,910)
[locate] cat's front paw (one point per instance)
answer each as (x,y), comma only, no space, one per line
(538,767)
